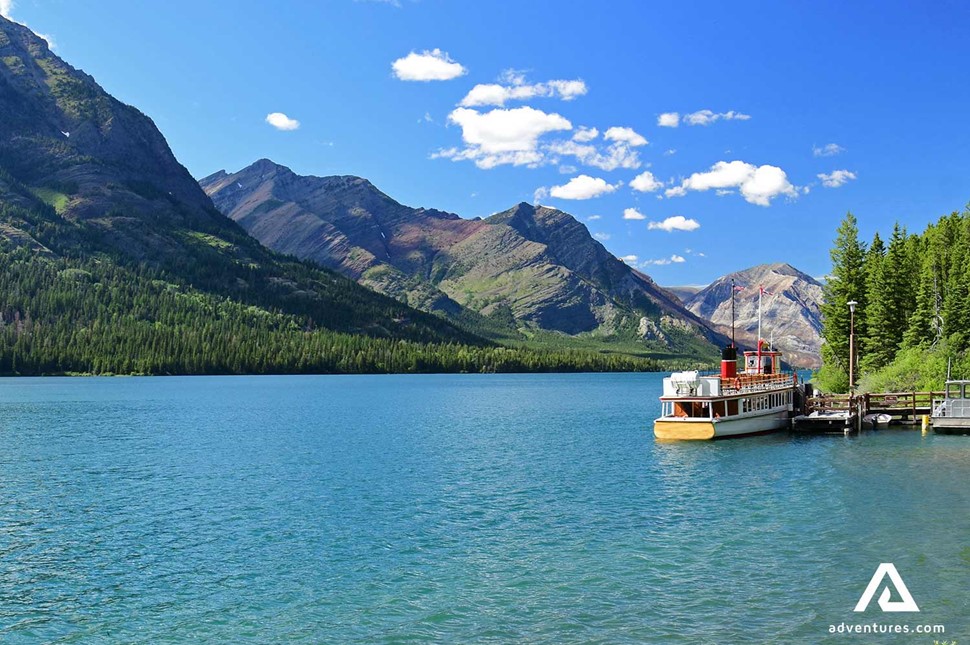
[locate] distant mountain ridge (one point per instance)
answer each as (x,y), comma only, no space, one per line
(86,180)
(791,315)
(535,265)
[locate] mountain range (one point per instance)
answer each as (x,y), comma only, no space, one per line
(93,202)
(105,237)
(534,267)
(791,315)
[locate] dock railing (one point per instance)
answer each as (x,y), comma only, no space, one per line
(905,405)
(831,404)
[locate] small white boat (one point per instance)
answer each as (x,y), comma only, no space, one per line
(877,420)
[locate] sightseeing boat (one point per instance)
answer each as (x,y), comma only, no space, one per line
(758,400)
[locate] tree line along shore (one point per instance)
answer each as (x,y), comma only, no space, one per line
(912,320)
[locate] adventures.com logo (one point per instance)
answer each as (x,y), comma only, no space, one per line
(888,579)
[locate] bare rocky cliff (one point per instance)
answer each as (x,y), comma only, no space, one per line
(790,315)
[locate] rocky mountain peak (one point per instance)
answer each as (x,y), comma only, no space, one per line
(538,263)
(790,311)
(60,131)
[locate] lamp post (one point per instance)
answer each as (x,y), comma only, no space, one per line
(852,304)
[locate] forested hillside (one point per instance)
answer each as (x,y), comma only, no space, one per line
(113,260)
(913,316)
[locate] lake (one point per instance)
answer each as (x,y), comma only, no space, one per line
(459,509)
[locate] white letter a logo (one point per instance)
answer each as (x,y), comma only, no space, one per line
(906,604)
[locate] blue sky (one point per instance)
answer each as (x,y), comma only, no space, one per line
(872,95)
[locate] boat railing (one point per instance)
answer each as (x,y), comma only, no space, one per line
(744,383)
(952,408)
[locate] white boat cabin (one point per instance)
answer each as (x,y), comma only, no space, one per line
(761,388)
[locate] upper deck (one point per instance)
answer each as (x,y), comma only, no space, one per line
(692,385)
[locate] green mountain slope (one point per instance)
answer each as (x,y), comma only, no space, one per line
(537,269)
(113,260)
(91,196)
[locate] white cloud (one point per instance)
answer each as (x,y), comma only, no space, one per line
(567,169)
(616,155)
(487,161)
(668,120)
(485,95)
(828,150)
(567,90)
(583,187)
(629,259)
(625,135)
(670,152)
(540,194)
(584,135)
(6,6)
(836,178)
(707,117)
(675,223)
(433,65)
(282,122)
(602,237)
(673,259)
(593,218)
(632,213)
(518,89)
(502,136)
(645,182)
(757,184)
(506,130)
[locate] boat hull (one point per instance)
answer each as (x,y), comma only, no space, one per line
(675,429)
(950,425)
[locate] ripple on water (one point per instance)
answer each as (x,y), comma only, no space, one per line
(449,508)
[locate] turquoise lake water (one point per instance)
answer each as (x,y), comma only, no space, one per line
(457,509)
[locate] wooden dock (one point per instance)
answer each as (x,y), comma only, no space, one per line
(828,414)
(903,407)
(843,413)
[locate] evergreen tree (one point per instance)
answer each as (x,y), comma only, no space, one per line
(890,302)
(846,282)
(925,323)
(872,268)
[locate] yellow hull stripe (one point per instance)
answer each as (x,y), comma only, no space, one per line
(675,430)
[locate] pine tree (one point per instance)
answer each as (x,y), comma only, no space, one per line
(925,323)
(891,301)
(846,282)
(872,268)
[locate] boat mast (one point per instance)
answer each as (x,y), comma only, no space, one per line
(732,311)
(761,291)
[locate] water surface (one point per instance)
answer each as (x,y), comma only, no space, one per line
(454,509)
